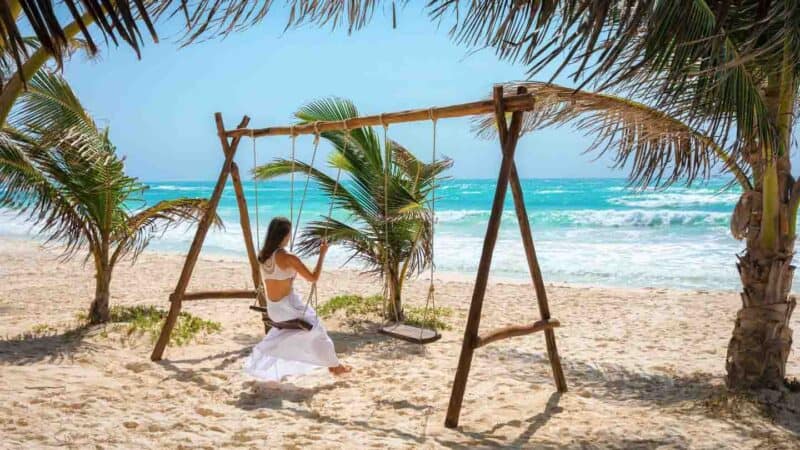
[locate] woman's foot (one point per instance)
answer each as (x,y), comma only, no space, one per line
(341,369)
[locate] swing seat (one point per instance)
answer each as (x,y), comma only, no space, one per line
(410,333)
(294,324)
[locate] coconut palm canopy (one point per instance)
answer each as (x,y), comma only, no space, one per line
(700,60)
(603,40)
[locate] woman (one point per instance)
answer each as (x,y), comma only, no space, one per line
(289,352)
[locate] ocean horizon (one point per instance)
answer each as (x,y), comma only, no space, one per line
(588,231)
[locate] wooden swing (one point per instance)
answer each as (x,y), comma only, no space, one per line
(398,329)
(508,134)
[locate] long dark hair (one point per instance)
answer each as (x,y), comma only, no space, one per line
(276,233)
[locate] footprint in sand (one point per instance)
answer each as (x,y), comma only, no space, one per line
(138,367)
(205,412)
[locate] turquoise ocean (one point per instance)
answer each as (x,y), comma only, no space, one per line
(587,231)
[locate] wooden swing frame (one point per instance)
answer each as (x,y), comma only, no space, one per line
(509,134)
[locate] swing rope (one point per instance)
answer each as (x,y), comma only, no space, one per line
(305,188)
(291,182)
(387,162)
(430,302)
(312,294)
(255,191)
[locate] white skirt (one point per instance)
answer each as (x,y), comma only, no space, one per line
(291,352)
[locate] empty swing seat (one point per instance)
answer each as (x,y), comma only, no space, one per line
(410,333)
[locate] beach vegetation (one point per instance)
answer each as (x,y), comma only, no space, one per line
(357,307)
(382,200)
(148,320)
(60,171)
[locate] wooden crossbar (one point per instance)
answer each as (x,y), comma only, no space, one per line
(523,102)
(205,295)
(515,330)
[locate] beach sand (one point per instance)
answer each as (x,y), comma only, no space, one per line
(644,368)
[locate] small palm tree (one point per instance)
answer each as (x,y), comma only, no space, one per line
(392,244)
(61,172)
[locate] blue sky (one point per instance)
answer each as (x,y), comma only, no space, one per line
(160,108)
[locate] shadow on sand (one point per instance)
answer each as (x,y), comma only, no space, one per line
(287,398)
(54,348)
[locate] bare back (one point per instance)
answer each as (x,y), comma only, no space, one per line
(280,280)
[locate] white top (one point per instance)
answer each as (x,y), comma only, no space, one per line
(270,270)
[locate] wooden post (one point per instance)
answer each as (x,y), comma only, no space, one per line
(508,141)
(536,275)
(244,220)
(199,237)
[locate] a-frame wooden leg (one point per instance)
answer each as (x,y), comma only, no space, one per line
(536,275)
(508,140)
(202,229)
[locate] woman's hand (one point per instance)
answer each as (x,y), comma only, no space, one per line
(323,248)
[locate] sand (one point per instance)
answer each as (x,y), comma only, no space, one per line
(644,367)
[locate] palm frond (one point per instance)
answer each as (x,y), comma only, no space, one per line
(361,241)
(702,60)
(27,187)
(139,229)
(344,197)
(122,21)
(50,110)
(658,149)
(364,143)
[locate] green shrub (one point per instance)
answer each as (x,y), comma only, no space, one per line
(433,318)
(149,320)
(356,306)
(352,305)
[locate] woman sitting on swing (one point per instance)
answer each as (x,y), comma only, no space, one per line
(290,352)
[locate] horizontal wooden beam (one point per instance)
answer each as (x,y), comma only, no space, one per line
(515,330)
(204,295)
(523,102)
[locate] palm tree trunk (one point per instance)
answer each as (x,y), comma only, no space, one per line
(395,311)
(762,338)
(99,311)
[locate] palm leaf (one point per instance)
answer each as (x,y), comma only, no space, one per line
(140,228)
(51,110)
(28,187)
(703,61)
(659,149)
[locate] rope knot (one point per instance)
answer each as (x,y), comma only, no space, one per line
(316,132)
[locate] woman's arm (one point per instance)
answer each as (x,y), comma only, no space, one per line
(295,263)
